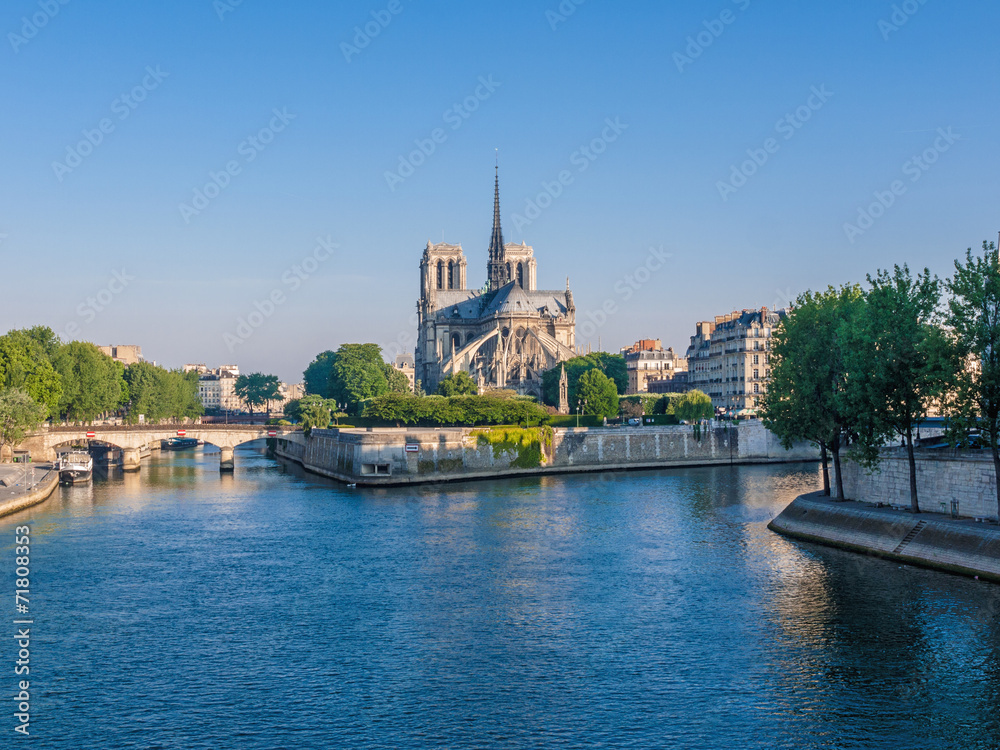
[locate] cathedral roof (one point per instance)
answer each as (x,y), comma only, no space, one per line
(511,299)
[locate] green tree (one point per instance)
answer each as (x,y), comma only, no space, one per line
(141,379)
(974,319)
(893,356)
(397,380)
(257,389)
(46,337)
(293,409)
(612,365)
(160,394)
(358,374)
(458,384)
(24,364)
(19,415)
(92,382)
(694,406)
(317,374)
(599,393)
(665,403)
(805,398)
(315,413)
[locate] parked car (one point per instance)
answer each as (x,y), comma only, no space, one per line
(974,441)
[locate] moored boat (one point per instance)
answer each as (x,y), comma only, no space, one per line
(179,443)
(75,467)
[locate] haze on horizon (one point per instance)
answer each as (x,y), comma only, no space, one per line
(768,148)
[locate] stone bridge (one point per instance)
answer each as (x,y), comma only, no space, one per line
(131,439)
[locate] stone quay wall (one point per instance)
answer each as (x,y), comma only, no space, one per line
(943,476)
(21,498)
(395,456)
(931,540)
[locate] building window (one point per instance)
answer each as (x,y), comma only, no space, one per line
(756,374)
(520,275)
(756,359)
(440,279)
(451,275)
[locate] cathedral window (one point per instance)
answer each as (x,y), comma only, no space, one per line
(440,281)
(520,275)
(451,275)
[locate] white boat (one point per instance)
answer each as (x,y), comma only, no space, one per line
(75,467)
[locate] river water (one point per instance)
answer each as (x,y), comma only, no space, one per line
(181,608)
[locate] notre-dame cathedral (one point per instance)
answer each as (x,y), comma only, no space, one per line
(504,335)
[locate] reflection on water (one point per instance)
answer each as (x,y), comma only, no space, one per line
(181,607)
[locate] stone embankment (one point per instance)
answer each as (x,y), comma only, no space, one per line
(944,477)
(20,488)
(934,540)
(399,456)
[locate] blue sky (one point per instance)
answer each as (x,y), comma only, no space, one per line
(695,89)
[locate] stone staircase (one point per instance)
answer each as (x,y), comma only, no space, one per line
(910,537)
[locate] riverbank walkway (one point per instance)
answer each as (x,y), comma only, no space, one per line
(24,485)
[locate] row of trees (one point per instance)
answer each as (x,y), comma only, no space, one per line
(857,367)
(76,381)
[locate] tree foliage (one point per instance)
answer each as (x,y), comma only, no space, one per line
(598,393)
(317,374)
(160,394)
(19,415)
(665,403)
(806,395)
(895,362)
(92,382)
(612,365)
(693,406)
(257,389)
(458,384)
(352,375)
(403,409)
(973,318)
(25,364)
(314,412)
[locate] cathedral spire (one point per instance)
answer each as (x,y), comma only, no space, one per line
(496,271)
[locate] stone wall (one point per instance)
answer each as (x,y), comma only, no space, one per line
(957,546)
(407,455)
(965,476)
